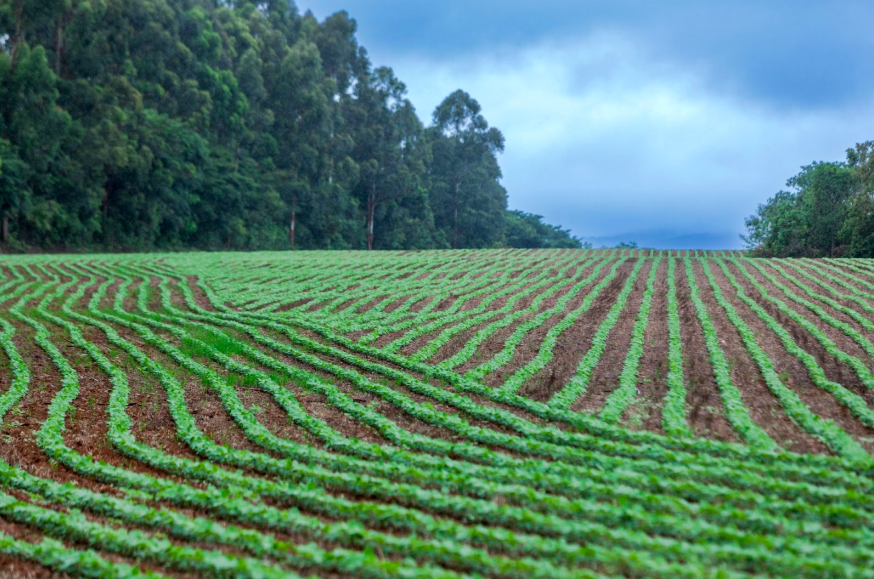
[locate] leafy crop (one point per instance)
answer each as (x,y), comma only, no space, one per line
(401,415)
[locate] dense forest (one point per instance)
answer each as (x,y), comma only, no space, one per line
(232,124)
(828,211)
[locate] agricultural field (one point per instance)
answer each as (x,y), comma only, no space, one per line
(491,413)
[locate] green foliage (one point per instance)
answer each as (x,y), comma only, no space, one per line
(674,412)
(778,227)
(526,230)
(578,384)
(859,226)
(487,485)
(829,211)
(735,410)
(623,397)
(170,124)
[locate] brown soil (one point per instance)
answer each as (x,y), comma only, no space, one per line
(646,413)
(398,302)
(86,427)
(495,343)
(481,400)
(269,412)
(834,370)
(386,408)
(12,568)
(293,305)
(420,305)
(18,434)
(791,371)
(394,413)
(458,341)
(706,413)
(571,345)
(203,402)
(762,405)
(446,303)
(272,415)
(829,283)
(857,274)
(605,378)
(85,434)
(824,291)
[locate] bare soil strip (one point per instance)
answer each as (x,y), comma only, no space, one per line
(792,372)
(646,412)
(605,379)
(706,412)
(571,345)
(763,406)
(835,370)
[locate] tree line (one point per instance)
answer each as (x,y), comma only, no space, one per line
(828,211)
(220,124)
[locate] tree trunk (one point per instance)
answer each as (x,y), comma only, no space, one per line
(18,37)
(105,205)
(4,229)
(59,45)
(371,211)
(291,226)
(455,215)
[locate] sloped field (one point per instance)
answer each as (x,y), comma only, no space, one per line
(502,413)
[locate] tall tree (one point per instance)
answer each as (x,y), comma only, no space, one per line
(144,124)
(32,129)
(390,143)
(301,100)
(808,221)
(469,201)
(858,228)
(824,189)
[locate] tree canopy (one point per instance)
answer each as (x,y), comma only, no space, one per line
(232,124)
(828,211)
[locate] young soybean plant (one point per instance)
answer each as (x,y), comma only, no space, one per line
(415,415)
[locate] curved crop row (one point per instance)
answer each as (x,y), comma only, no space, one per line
(829,345)
(580,381)
(456,479)
(621,398)
(735,410)
(798,411)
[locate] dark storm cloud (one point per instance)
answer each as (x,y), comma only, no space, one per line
(798,53)
(663,123)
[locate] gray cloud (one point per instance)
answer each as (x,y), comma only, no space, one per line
(664,127)
(798,52)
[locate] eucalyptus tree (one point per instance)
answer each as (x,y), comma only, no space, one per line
(216,124)
(468,200)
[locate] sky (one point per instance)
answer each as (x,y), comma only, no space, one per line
(664,123)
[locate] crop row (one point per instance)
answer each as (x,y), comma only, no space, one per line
(460,478)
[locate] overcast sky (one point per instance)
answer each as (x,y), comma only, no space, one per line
(664,123)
